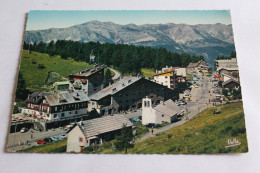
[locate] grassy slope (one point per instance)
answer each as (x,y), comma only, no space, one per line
(53,147)
(147,72)
(206,133)
(35,76)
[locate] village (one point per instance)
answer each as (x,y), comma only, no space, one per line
(86,113)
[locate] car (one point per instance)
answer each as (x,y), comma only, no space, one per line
(41,141)
(47,139)
(62,136)
(23,130)
(182,103)
(55,138)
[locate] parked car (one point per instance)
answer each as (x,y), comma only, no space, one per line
(47,139)
(23,130)
(41,141)
(62,136)
(55,138)
(182,103)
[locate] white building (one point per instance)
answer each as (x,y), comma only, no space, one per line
(167,111)
(95,131)
(169,76)
(56,106)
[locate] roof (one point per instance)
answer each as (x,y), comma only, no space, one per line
(230,80)
(181,72)
(115,87)
(233,68)
(168,108)
(62,83)
(66,98)
(165,71)
(36,97)
(89,72)
(192,65)
(104,124)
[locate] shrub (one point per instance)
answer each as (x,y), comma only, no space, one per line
(238,130)
(41,66)
(172,148)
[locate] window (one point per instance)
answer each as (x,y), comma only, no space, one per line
(62,114)
(80,139)
(76,112)
(166,77)
(144,103)
(56,108)
(55,116)
(162,115)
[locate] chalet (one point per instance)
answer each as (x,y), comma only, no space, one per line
(127,93)
(181,74)
(231,84)
(226,63)
(166,111)
(56,106)
(95,131)
(227,70)
(197,65)
(89,80)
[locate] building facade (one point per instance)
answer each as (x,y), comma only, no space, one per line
(127,94)
(95,131)
(89,80)
(56,106)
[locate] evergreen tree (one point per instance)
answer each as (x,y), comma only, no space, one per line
(107,78)
(124,141)
(21,91)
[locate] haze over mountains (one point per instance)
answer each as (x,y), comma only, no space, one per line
(209,40)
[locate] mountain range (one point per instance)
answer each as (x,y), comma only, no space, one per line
(209,40)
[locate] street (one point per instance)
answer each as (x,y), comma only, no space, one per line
(14,139)
(199,102)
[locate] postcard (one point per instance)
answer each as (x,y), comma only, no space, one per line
(128,82)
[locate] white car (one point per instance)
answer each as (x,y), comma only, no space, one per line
(55,138)
(23,130)
(62,136)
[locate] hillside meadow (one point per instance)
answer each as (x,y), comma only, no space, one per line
(35,67)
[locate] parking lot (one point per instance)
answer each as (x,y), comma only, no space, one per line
(18,140)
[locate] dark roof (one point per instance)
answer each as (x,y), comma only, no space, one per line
(89,72)
(115,87)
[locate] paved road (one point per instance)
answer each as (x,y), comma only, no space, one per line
(14,139)
(199,102)
(117,75)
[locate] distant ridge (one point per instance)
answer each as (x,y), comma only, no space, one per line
(209,40)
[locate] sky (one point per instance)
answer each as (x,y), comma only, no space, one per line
(38,20)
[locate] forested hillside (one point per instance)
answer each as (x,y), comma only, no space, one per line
(126,58)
